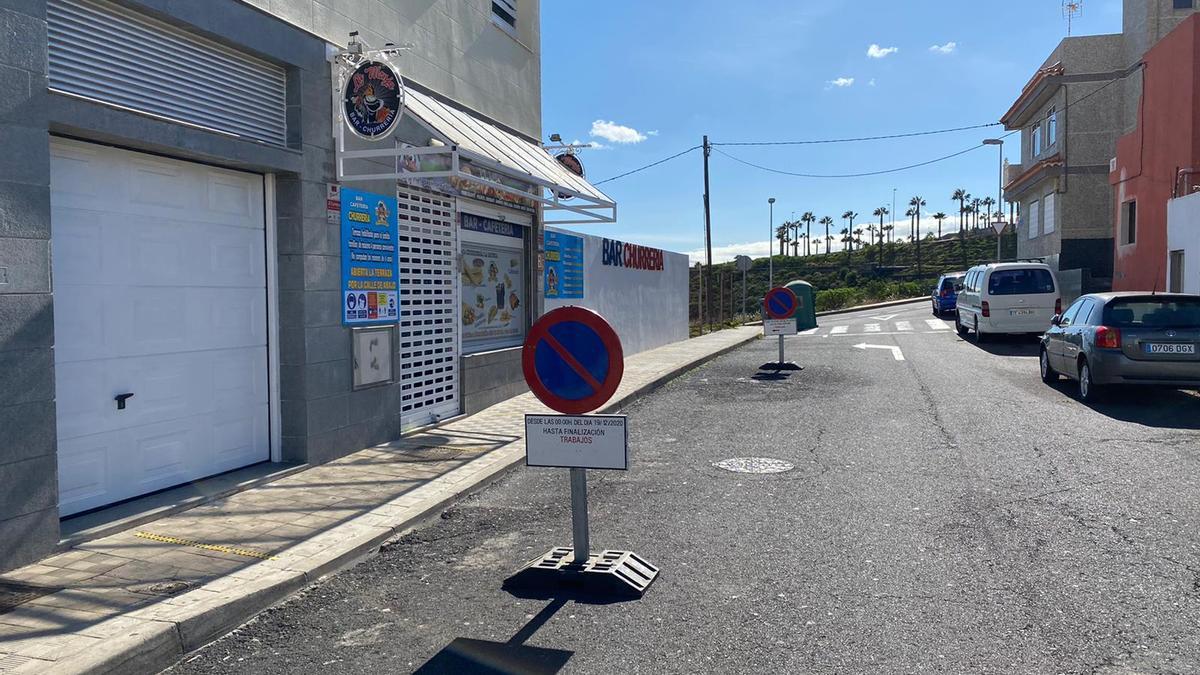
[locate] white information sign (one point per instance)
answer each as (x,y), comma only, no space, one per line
(577,441)
(779,327)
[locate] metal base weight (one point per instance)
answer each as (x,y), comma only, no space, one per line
(778,366)
(608,574)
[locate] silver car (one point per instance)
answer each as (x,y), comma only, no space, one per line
(1125,338)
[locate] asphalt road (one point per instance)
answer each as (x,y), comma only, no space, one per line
(947,512)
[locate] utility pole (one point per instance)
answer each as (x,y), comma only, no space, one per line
(707,235)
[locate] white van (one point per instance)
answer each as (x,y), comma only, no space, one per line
(1016,297)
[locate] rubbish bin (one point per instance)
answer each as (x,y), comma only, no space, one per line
(806,304)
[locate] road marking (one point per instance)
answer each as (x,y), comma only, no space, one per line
(838,330)
(810,331)
(231,550)
(936,324)
(872,328)
(899,355)
(885,317)
(903,325)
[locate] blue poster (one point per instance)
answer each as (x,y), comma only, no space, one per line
(564,266)
(370,274)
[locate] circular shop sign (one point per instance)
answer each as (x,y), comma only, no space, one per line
(573,360)
(372,100)
(570,162)
(780,303)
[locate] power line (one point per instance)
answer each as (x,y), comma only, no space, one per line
(857,175)
(867,138)
(648,166)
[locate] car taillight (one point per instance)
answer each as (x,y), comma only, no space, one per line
(1058,305)
(1108,338)
(987,310)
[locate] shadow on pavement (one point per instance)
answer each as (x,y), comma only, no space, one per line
(1008,345)
(771,376)
(1149,406)
(467,655)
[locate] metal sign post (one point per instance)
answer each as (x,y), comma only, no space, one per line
(780,305)
(573,363)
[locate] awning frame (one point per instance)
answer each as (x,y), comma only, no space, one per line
(589,210)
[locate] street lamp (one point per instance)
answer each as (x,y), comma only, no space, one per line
(771,245)
(999,190)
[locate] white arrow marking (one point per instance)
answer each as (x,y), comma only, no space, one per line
(885,317)
(895,350)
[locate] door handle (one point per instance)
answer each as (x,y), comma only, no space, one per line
(121,398)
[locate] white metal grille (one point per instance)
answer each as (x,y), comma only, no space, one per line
(103,52)
(429,313)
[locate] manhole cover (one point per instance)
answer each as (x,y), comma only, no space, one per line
(162,588)
(754,465)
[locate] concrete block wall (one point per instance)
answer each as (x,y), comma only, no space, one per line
(28,468)
(456,49)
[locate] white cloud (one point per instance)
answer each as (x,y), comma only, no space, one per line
(877,52)
(596,145)
(871,83)
(948,48)
(616,133)
(754,249)
(652,133)
(842,82)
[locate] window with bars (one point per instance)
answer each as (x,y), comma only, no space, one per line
(504,15)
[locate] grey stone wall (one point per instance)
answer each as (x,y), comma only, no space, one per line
(491,377)
(28,469)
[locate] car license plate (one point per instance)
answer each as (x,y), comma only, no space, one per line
(1169,348)
(1020,312)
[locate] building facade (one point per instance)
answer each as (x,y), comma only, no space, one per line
(172,300)
(1070,115)
(1155,163)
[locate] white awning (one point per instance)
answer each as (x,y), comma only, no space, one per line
(468,142)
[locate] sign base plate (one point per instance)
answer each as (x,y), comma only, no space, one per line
(777,366)
(609,574)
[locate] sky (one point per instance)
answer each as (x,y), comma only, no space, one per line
(646,80)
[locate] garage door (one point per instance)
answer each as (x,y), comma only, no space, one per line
(159,292)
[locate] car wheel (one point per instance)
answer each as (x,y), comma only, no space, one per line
(962,330)
(979,336)
(1049,375)
(1089,392)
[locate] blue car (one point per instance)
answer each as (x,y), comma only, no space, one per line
(945,293)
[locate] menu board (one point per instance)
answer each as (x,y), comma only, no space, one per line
(370,273)
(564,266)
(491,292)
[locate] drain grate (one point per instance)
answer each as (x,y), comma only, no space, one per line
(13,594)
(754,465)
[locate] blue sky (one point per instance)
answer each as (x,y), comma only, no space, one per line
(659,75)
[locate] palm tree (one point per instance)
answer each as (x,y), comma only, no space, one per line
(880,213)
(795,227)
(961,196)
(849,215)
(987,209)
(912,232)
(969,211)
(939,217)
(808,219)
(975,213)
(846,245)
(827,221)
(828,241)
(917,203)
(781,233)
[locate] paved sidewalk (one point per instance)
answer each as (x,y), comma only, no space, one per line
(138,600)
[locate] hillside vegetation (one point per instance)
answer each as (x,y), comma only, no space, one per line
(842,280)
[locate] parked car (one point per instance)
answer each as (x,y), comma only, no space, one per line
(945,293)
(1016,297)
(1125,338)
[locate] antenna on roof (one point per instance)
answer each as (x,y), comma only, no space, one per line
(1070,10)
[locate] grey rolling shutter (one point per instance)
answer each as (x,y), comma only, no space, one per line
(110,54)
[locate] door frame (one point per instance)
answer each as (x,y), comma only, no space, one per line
(274,418)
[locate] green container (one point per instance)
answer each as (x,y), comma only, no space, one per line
(806,304)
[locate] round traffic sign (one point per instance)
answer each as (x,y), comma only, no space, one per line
(572,360)
(780,303)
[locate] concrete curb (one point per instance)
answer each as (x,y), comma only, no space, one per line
(170,630)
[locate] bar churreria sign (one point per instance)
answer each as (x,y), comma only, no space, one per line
(369,264)
(372,100)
